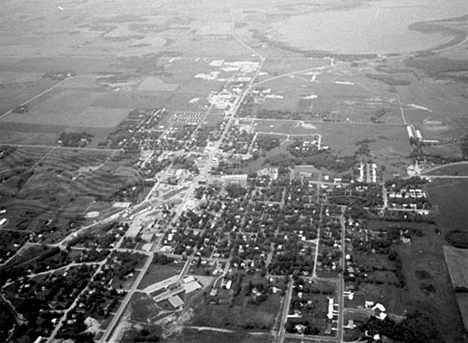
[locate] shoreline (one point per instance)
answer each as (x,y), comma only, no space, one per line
(429,27)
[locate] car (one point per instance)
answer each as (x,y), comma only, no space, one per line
(21,109)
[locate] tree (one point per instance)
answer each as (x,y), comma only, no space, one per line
(464,146)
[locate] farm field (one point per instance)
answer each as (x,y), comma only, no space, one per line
(58,186)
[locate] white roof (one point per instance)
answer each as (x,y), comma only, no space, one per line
(189,279)
(382,316)
(379,306)
(191,287)
(175,301)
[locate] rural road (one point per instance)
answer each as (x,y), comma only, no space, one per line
(35,97)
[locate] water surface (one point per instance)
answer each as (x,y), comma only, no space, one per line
(377,27)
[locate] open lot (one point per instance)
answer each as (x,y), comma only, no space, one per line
(210,336)
(244,313)
(157,273)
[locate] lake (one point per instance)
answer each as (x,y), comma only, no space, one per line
(376,27)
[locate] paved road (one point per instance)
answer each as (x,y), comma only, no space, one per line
(442,166)
(284,318)
(402,110)
(106,337)
(314,272)
(341,279)
(312,338)
(322,122)
(446,176)
(64,268)
(384,196)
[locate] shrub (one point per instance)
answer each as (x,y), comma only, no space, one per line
(457,238)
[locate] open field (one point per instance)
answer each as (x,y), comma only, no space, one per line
(425,253)
(451,198)
(143,308)
(239,311)
(190,335)
(456,260)
(222,316)
(70,108)
(157,273)
(213,120)
(459,169)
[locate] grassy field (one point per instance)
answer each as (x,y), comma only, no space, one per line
(142,308)
(213,119)
(157,273)
(425,254)
(242,314)
(206,336)
(451,198)
(18,87)
(457,260)
(459,169)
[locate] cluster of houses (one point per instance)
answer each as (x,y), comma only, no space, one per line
(408,198)
(190,118)
(367,172)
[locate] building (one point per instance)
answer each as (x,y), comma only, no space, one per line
(175,301)
(410,132)
(419,135)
